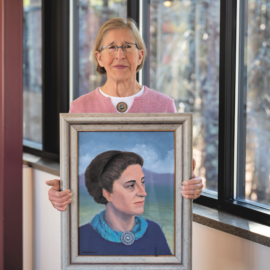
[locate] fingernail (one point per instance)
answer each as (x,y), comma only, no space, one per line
(70,200)
(70,194)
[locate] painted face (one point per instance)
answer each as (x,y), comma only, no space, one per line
(120,66)
(129,191)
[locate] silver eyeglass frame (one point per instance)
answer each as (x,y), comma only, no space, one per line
(119,47)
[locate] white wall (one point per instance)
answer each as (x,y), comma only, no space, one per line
(212,249)
(217,250)
(46,224)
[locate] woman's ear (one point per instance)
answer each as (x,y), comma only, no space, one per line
(140,56)
(106,194)
(98,56)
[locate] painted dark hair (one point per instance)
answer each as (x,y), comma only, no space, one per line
(105,168)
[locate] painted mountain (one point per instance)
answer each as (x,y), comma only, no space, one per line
(150,178)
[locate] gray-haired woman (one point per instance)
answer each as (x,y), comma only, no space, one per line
(120,52)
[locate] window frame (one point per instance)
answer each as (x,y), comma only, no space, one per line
(228,89)
(55,75)
(58,86)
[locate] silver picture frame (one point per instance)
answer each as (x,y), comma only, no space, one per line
(70,127)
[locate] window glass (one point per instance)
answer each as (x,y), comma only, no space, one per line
(92,14)
(32,73)
(255,109)
(184,64)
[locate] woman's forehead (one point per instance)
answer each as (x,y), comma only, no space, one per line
(118,36)
(132,172)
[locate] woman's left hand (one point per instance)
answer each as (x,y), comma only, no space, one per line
(192,189)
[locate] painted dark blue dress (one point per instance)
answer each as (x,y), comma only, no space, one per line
(153,243)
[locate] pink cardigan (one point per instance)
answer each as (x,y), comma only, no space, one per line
(149,102)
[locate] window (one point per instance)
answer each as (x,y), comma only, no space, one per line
(32,73)
(237,88)
(183,62)
(46,73)
(211,56)
(254,104)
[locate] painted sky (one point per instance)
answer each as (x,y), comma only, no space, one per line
(156,148)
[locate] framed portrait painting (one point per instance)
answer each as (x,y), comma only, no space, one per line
(125,172)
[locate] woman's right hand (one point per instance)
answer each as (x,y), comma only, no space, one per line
(59,199)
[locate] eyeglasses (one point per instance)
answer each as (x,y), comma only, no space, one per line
(127,48)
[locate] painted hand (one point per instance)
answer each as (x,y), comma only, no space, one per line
(192,189)
(59,199)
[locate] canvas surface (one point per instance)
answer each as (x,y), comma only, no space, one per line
(157,150)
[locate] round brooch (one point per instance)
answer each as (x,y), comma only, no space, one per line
(127,238)
(121,107)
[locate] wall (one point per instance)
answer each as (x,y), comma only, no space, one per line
(216,250)
(212,249)
(45,220)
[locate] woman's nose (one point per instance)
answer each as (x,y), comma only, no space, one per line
(141,191)
(120,53)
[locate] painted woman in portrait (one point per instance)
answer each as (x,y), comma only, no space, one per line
(116,179)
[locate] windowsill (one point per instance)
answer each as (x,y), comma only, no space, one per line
(42,164)
(231,224)
(213,218)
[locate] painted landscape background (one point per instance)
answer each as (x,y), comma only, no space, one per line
(157,150)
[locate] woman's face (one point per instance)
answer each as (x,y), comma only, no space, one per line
(128,191)
(119,66)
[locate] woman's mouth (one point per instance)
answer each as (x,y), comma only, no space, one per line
(119,66)
(140,202)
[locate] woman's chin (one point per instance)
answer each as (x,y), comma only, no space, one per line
(139,212)
(135,212)
(122,75)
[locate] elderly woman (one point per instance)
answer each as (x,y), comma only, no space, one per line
(120,52)
(115,179)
